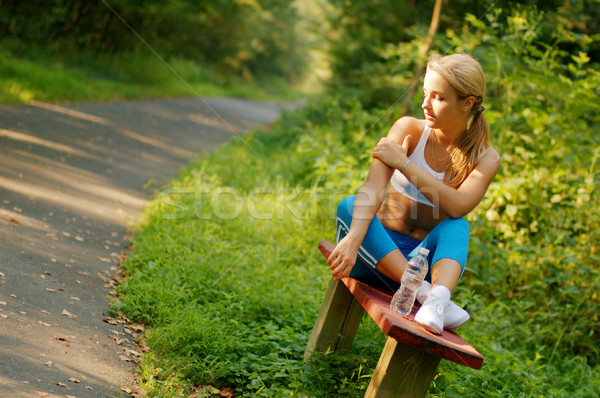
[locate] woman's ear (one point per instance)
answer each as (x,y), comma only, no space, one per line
(469,102)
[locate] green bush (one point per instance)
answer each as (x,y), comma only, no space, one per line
(374,44)
(236,37)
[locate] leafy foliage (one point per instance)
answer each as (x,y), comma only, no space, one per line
(374,44)
(242,37)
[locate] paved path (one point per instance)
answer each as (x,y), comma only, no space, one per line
(72,178)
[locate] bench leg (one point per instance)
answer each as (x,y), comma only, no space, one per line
(337,322)
(402,371)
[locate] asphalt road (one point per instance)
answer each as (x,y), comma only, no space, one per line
(73,178)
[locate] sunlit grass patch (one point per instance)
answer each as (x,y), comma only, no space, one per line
(91,77)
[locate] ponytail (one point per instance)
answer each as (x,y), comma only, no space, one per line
(469,149)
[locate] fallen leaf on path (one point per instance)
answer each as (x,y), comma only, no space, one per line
(14,220)
(50,290)
(42,394)
(2,302)
(105,279)
(144,345)
(130,332)
(74,380)
(132,352)
(45,324)
(79,238)
(138,392)
(69,315)
(49,363)
(61,338)
(136,328)
(117,340)
(3,316)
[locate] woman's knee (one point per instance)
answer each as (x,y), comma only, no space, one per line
(345,207)
(455,225)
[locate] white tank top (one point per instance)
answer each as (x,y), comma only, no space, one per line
(403,185)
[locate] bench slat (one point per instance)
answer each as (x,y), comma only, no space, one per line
(448,345)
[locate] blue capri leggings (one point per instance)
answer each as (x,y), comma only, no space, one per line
(449,239)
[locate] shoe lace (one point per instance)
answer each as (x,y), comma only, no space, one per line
(437,306)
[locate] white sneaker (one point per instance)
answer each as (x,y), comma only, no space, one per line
(431,314)
(455,316)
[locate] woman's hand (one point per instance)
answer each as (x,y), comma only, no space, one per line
(390,153)
(343,257)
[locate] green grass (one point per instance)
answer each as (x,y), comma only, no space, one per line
(44,76)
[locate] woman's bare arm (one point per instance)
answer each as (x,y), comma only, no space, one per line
(367,203)
(455,202)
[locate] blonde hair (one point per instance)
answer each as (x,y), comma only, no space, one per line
(465,75)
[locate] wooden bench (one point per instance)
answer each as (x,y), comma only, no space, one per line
(411,354)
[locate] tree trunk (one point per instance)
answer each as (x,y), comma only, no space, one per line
(433,26)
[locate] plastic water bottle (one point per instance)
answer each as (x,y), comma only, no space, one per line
(412,279)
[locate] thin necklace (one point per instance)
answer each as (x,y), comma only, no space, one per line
(435,156)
